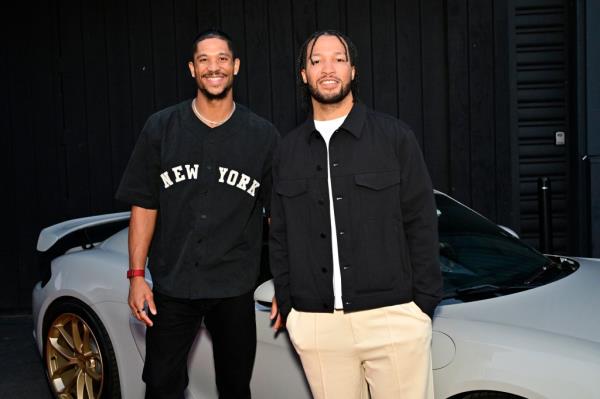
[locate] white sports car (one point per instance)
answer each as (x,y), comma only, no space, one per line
(513,322)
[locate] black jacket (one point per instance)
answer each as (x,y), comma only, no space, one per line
(385,216)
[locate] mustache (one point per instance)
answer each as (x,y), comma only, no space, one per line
(214,75)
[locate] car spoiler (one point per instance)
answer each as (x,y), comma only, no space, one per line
(52,234)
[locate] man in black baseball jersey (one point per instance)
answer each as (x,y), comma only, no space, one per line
(198,181)
(354,247)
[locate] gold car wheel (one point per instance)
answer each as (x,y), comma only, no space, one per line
(73,359)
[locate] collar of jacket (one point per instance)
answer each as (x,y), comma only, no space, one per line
(353,123)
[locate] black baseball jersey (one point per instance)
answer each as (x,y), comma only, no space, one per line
(210,187)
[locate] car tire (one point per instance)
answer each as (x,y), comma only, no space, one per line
(78,356)
(491,395)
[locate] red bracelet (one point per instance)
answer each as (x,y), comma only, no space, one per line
(135,273)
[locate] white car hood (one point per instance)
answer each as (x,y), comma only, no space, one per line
(569,306)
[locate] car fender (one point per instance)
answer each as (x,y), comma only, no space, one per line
(521,361)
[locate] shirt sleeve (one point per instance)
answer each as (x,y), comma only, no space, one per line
(267,176)
(278,250)
(140,182)
(420,224)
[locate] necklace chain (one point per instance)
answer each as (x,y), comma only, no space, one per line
(208,121)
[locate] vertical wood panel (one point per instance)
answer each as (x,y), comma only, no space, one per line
(359,30)
(164,59)
(233,22)
(384,57)
(9,246)
(122,135)
(185,31)
(74,108)
(481,73)
(98,125)
(49,189)
(458,100)
(304,24)
(435,93)
(331,15)
(506,160)
(408,64)
(23,102)
(283,75)
(141,55)
(209,15)
(257,63)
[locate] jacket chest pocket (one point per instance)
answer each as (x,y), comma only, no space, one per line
(379,194)
(293,194)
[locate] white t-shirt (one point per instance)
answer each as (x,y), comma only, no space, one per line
(327,129)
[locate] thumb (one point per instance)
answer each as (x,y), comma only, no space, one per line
(151,306)
(274,309)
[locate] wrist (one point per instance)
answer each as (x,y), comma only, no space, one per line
(133,273)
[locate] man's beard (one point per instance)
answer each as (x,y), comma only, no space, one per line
(216,96)
(334,99)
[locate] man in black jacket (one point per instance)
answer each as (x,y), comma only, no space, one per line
(354,246)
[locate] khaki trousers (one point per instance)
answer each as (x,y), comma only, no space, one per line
(385,352)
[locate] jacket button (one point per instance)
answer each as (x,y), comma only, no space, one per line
(346,267)
(324,270)
(203,216)
(199,240)
(319,167)
(324,305)
(336,164)
(347,303)
(196,264)
(323,235)
(339,198)
(321,202)
(342,233)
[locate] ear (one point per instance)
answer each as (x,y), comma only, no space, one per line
(192,70)
(303,73)
(236,66)
(353,72)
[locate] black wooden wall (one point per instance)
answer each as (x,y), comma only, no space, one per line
(80,77)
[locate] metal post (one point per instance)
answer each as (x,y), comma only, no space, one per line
(545,214)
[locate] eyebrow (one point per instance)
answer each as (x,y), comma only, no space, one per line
(220,53)
(336,53)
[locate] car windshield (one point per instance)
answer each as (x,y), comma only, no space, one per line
(476,252)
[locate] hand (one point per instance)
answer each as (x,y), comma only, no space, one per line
(275,315)
(140,294)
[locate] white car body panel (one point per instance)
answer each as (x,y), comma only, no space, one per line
(539,343)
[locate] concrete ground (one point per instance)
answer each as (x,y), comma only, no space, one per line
(22,373)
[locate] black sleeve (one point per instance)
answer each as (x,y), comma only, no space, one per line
(140,182)
(278,250)
(420,224)
(267,176)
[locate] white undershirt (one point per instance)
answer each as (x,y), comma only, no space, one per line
(327,129)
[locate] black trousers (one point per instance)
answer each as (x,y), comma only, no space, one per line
(232,326)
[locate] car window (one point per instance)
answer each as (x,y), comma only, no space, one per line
(474,251)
